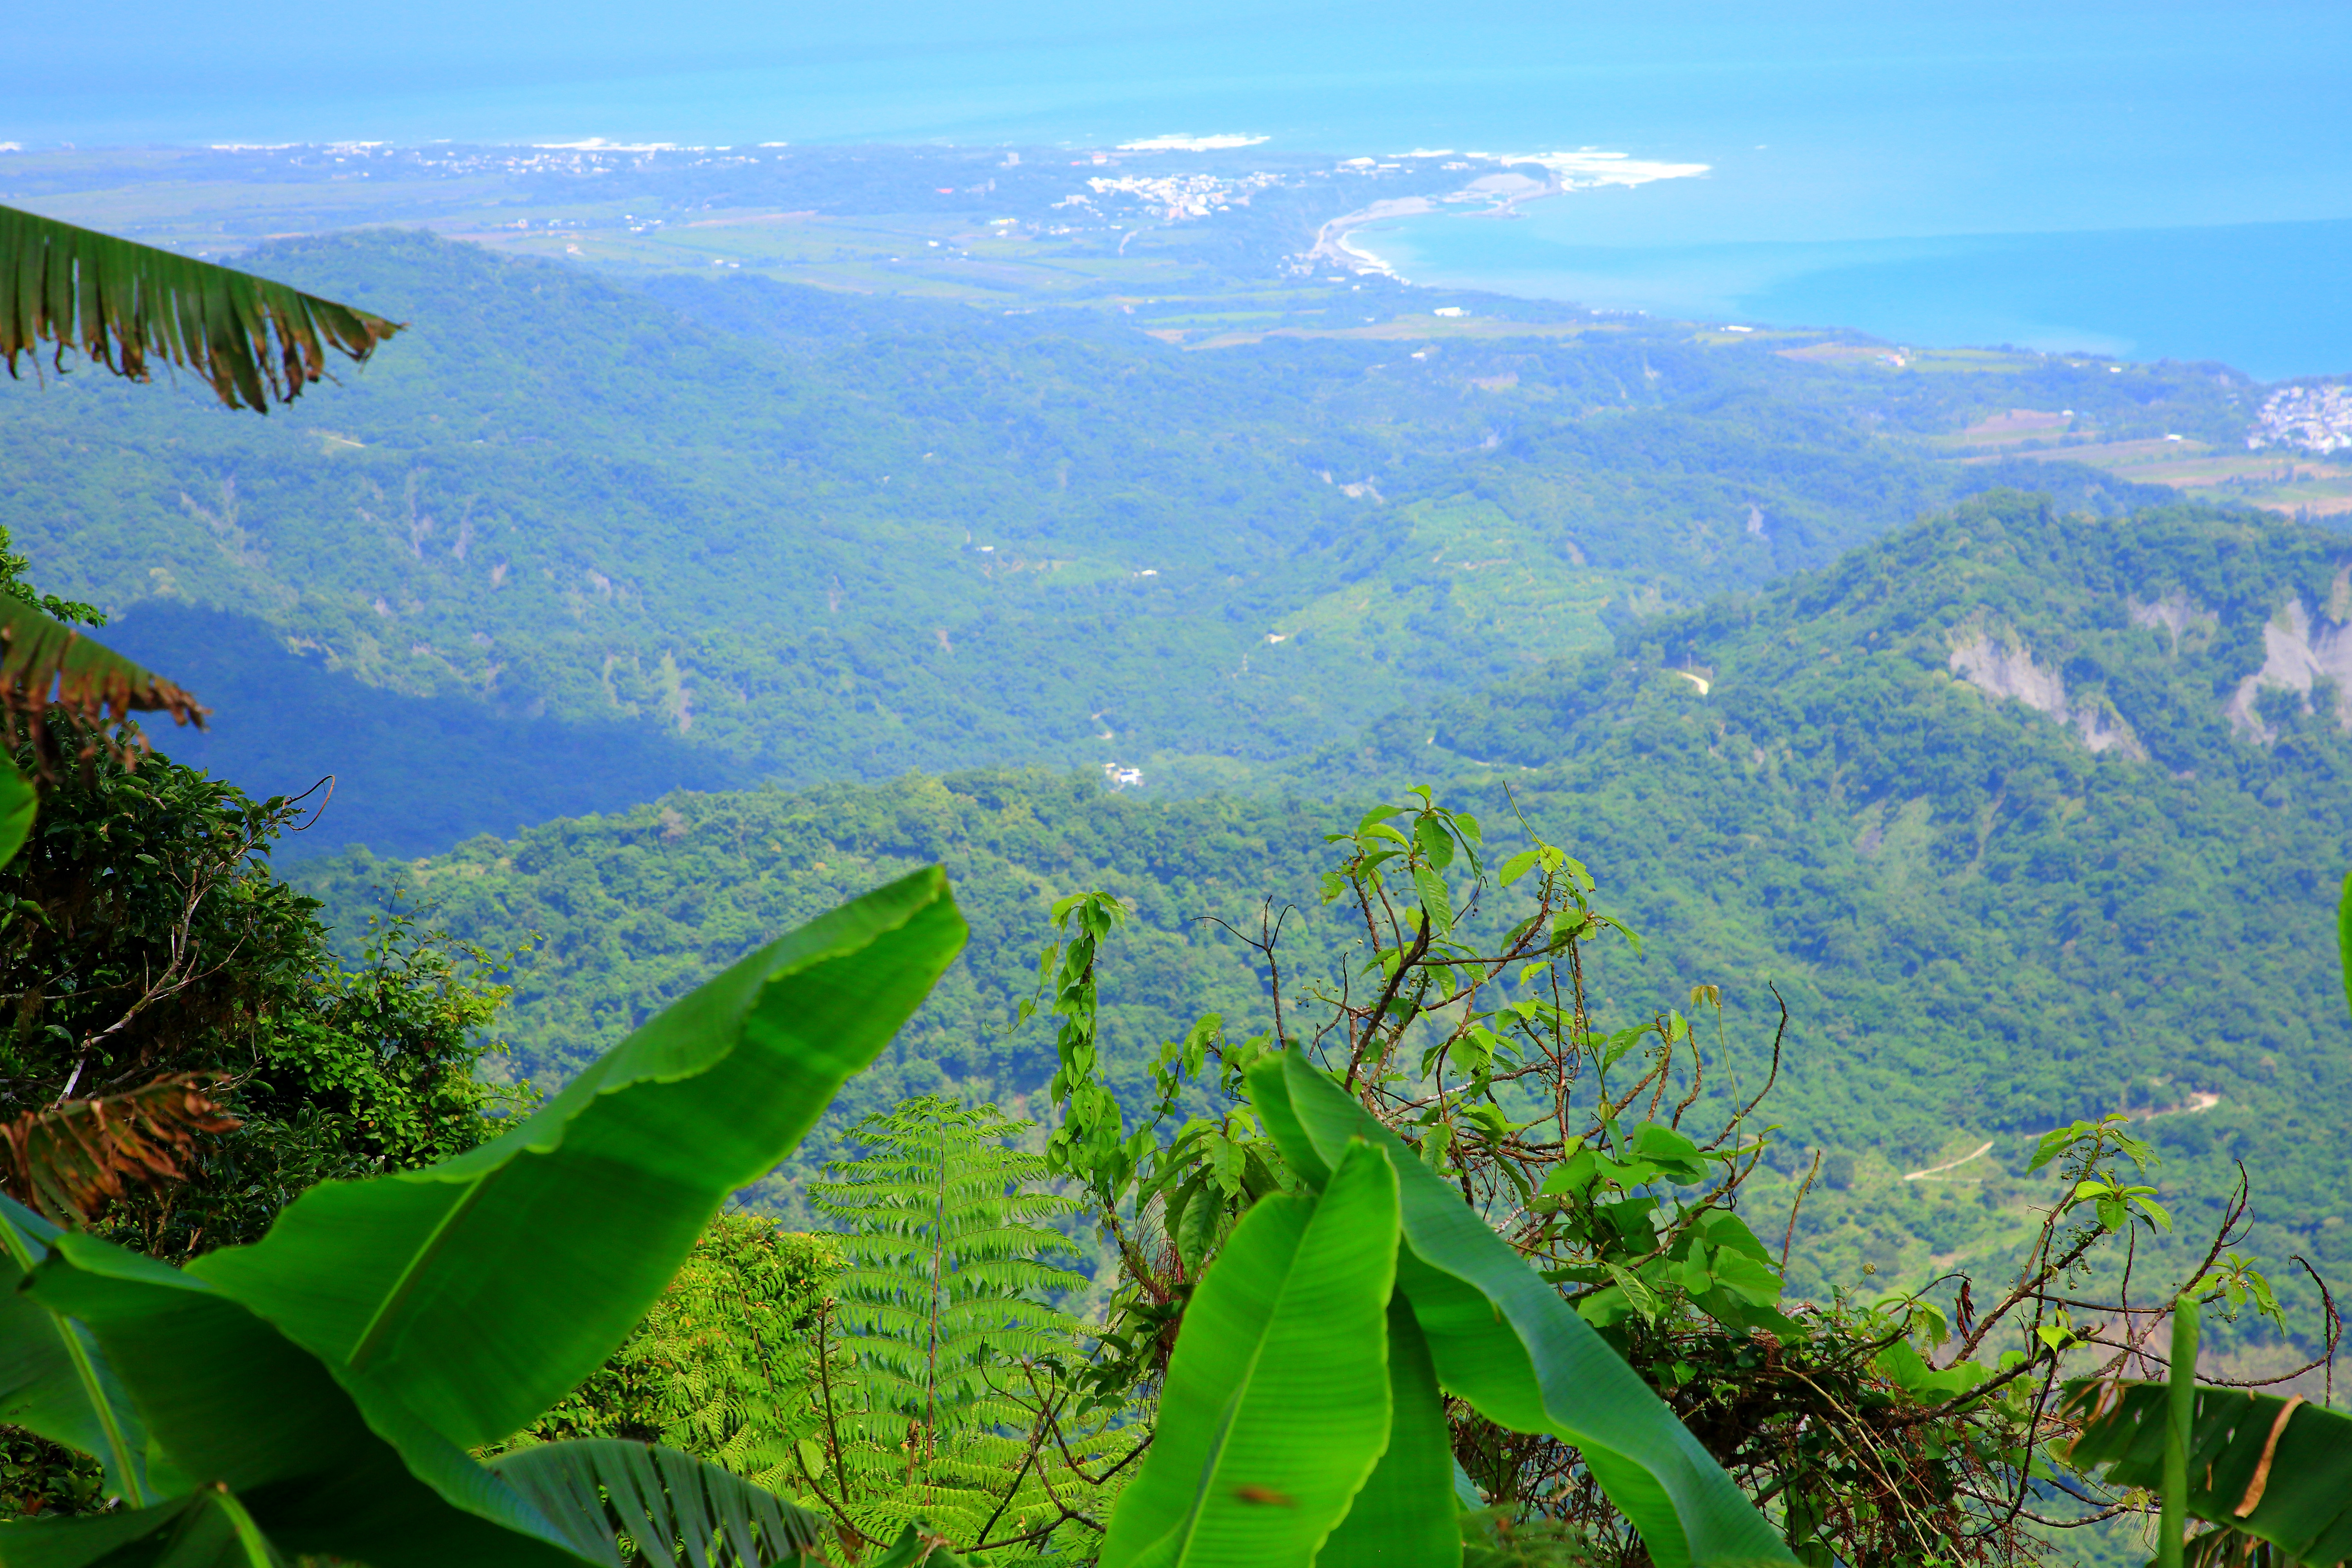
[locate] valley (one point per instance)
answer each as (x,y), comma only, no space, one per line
(1982,926)
(652,606)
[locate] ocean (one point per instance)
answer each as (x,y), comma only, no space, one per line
(2269,299)
(2157,180)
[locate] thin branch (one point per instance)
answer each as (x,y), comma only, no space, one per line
(1788,1238)
(1405,962)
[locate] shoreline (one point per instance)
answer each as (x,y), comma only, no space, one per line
(1504,190)
(1333,242)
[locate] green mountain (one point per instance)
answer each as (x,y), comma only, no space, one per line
(2028,815)
(772,531)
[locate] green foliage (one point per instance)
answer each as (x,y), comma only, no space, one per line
(942,1393)
(636,908)
(1977,922)
(1880,1436)
(150,937)
(718,1367)
(314,1394)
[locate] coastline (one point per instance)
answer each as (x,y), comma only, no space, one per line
(1503,189)
(1333,243)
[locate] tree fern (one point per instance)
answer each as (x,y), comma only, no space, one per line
(719,1367)
(943,1381)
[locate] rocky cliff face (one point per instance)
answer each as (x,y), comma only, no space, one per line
(2002,668)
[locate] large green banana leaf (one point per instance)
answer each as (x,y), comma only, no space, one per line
(1505,1343)
(2287,1464)
(207,1529)
(600,1490)
(1405,1515)
(121,303)
(53,1378)
(486,1287)
(1277,1404)
(325,1460)
(315,1394)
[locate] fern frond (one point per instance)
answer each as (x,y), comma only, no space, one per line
(941,1314)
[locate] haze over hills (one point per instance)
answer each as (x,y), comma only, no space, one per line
(2155,190)
(788,532)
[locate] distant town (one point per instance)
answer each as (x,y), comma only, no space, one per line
(2311,418)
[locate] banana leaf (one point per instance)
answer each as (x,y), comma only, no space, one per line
(598,1490)
(477,1292)
(2277,1469)
(324,1460)
(122,304)
(486,1287)
(45,666)
(1276,1406)
(1404,1515)
(209,1527)
(1506,1343)
(54,1379)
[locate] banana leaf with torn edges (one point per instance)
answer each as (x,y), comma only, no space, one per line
(47,666)
(123,303)
(2287,1464)
(1505,1343)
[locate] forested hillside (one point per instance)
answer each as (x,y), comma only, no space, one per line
(780,532)
(1983,926)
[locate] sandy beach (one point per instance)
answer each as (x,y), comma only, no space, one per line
(1502,192)
(1332,243)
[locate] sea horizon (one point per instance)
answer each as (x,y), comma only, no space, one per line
(2104,178)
